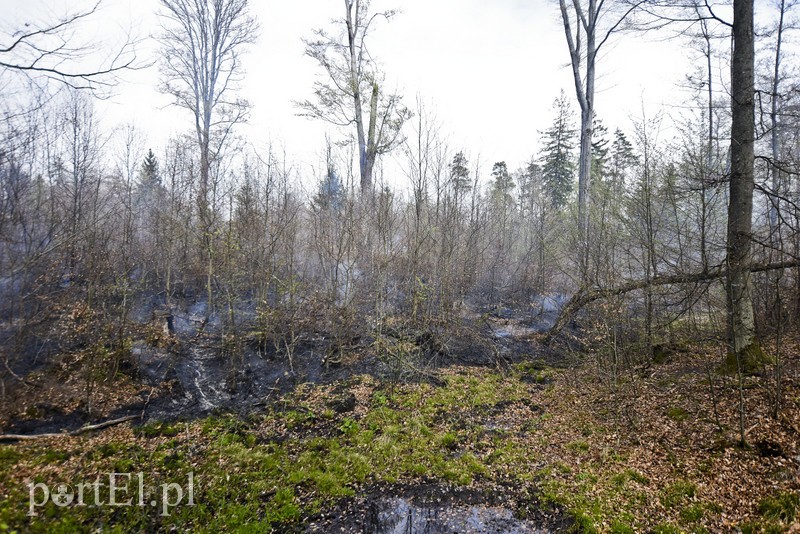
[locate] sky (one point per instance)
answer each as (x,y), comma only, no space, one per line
(488,70)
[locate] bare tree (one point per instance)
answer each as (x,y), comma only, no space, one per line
(775,109)
(586,19)
(202,42)
(53,51)
(353,84)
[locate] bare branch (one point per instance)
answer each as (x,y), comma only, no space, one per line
(52,51)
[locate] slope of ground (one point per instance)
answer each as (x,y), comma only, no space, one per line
(539,448)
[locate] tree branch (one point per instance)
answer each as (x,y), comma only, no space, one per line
(584,297)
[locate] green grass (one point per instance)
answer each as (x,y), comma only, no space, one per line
(621,479)
(248,483)
(780,507)
(666,528)
(619,527)
(677,493)
(578,446)
(159,428)
(272,471)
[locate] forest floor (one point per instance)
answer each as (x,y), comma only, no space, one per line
(516,447)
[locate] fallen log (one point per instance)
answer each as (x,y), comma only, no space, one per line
(583,296)
(81,430)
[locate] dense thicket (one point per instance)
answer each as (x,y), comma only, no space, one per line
(100,234)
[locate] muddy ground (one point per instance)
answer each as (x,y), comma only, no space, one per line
(191,378)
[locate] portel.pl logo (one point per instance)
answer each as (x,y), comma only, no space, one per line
(112,489)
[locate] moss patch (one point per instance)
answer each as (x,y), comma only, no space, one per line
(751,359)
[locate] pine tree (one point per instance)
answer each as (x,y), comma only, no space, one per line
(149,190)
(459,173)
(530,187)
(558,165)
(503,184)
(149,173)
(600,151)
(622,159)
(330,192)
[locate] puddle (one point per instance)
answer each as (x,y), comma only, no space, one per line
(401,516)
(433,508)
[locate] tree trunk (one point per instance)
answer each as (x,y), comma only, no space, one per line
(584,182)
(774,141)
(363,157)
(372,142)
(744,350)
(584,90)
(203,208)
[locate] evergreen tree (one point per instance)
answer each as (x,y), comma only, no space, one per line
(558,165)
(622,159)
(529,178)
(149,190)
(459,173)
(530,187)
(149,173)
(600,151)
(330,192)
(503,183)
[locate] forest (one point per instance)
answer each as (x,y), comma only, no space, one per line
(601,338)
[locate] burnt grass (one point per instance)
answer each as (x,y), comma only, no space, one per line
(477,429)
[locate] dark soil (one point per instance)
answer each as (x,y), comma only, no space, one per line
(192,377)
(435,508)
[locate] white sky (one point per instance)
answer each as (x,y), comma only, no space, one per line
(488,69)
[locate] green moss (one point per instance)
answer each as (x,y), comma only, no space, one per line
(677,414)
(159,428)
(780,507)
(693,513)
(449,440)
(762,527)
(583,524)
(531,366)
(298,419)
(578,446)
(621,479)
(751,360)
(379,398)
(52,457)
(534,371)
(107,450)
(9,455)
(618,527)
(677,492)
(253,477)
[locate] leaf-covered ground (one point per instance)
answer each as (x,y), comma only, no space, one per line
(654,449)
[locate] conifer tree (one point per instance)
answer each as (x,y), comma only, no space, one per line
(622,159)
(558,165)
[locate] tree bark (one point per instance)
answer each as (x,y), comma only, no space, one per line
(372,142)
(743,345)
(355,86)
(584,91)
